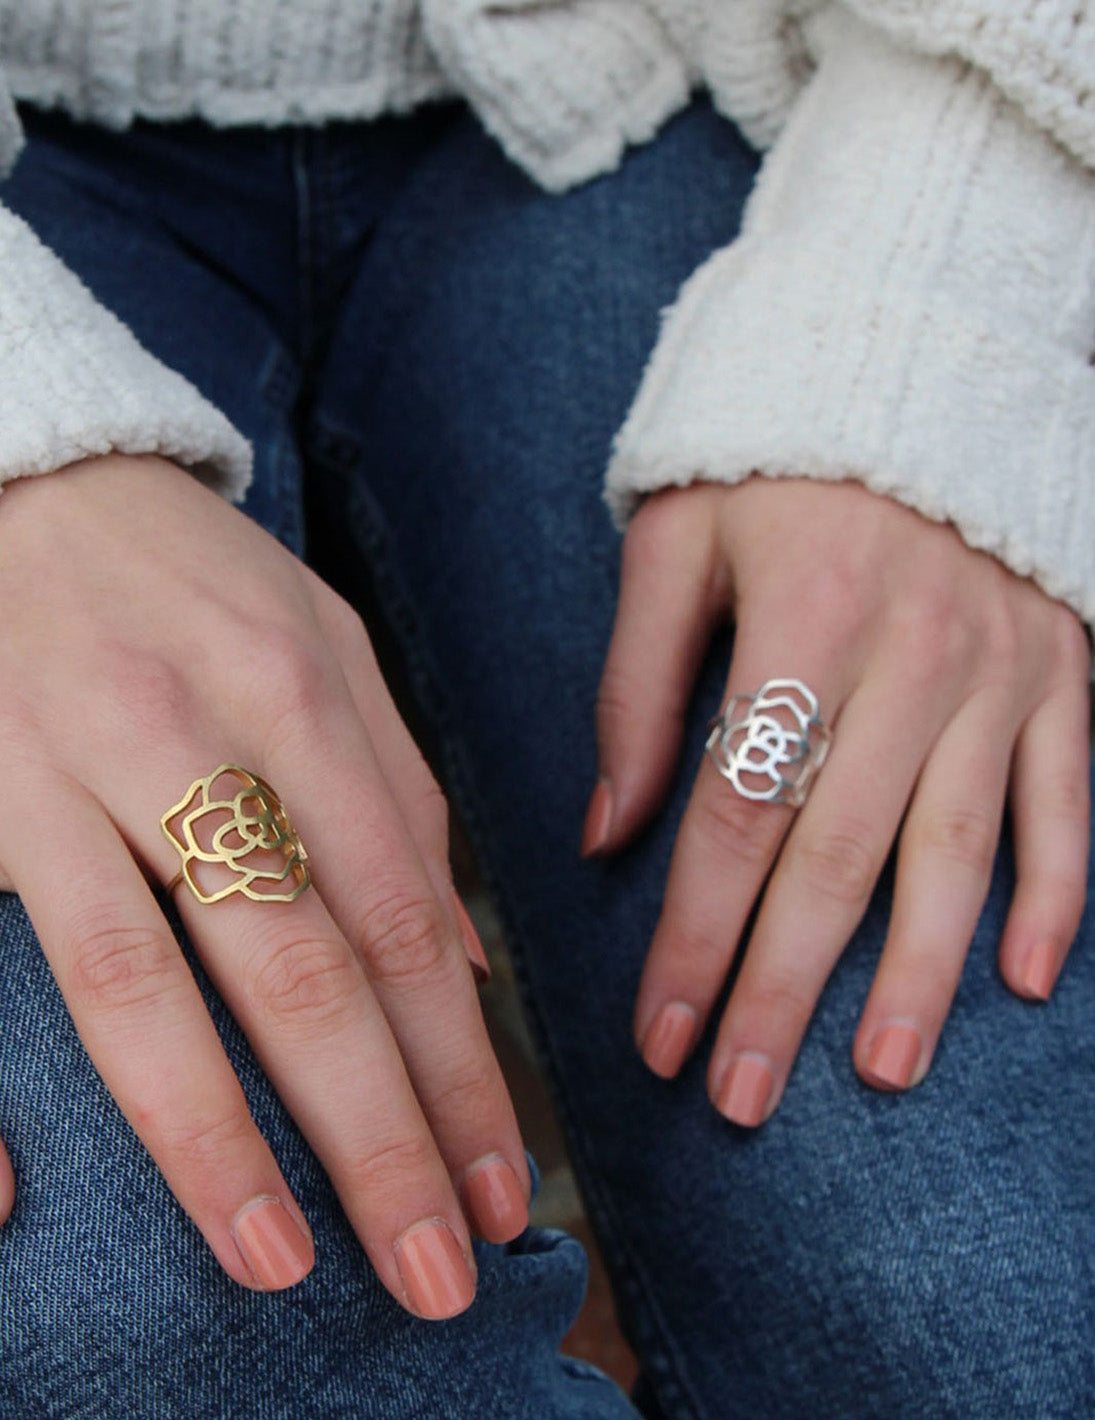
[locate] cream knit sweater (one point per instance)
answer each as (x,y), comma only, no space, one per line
(911,302)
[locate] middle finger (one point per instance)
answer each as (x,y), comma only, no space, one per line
(820,888)
(370,873)
(725,848)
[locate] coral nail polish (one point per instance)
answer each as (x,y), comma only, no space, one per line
(894,1054)
(668,1039)
(277,1253)
(434,1271)
(1040,971)
(473,947)
(746,1090)
(598,819)
(494,1198)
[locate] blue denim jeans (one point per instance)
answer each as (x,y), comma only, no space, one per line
(431,357)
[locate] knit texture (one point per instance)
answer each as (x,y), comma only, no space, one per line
(74,381)
(563,87)
(911,303)
(227,61)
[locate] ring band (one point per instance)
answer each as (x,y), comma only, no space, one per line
(770,745)
(239,840)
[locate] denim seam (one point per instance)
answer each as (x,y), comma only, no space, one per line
(674,1393)
(302,191)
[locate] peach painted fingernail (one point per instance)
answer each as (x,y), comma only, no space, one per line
(435,1273)
(495,1199)
(746,1090)
(1040,971)
(668,1039)
(893,1057)
(473,947)
(276,1251)
(598,819)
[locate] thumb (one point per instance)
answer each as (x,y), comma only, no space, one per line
(672,593)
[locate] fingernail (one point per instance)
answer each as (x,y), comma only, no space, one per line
(277,1253)
(746,1090)
(473,947)
(668,1039)
(434,1271)
(598,819)
(893,1057)
(495,1199)
(1040,971)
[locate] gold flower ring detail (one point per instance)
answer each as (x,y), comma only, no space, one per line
(237,840)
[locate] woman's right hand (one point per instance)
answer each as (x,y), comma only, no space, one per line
(150,633)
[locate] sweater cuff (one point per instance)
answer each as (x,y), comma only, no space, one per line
(564,88)
(75,382)
(911,304)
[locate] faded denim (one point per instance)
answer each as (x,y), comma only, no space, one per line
(431,358)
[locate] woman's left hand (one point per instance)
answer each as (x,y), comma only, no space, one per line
(949,683)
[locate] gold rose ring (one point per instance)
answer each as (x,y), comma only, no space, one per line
(238,840)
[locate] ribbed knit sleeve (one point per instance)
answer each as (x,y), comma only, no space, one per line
(75,382)
(1040,53)
(911,303)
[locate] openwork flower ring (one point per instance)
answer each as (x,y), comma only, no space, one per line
(233,835)
(770,745)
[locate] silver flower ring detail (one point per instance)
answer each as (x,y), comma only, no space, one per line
(770,745)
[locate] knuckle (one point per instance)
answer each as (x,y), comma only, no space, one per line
(775,1004)
(935,634)
(697,956)
(837,864)
(203,1145)
(467,1093)
(18,726)
(384,1171)
(655,532)
(1005,638)
(346,627)
(307,980)
(618,694)
(737,826)
(403,938)
(147,694)
(964,836)
(1065,795)
(291,672)
(117,966)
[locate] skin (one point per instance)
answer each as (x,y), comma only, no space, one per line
(152,632)
(949,683)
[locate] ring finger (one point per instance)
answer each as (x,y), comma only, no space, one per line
(944,867)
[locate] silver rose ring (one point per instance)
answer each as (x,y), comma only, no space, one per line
(770,745)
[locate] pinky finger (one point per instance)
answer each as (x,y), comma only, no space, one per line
(7,1185)
(1050,803)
